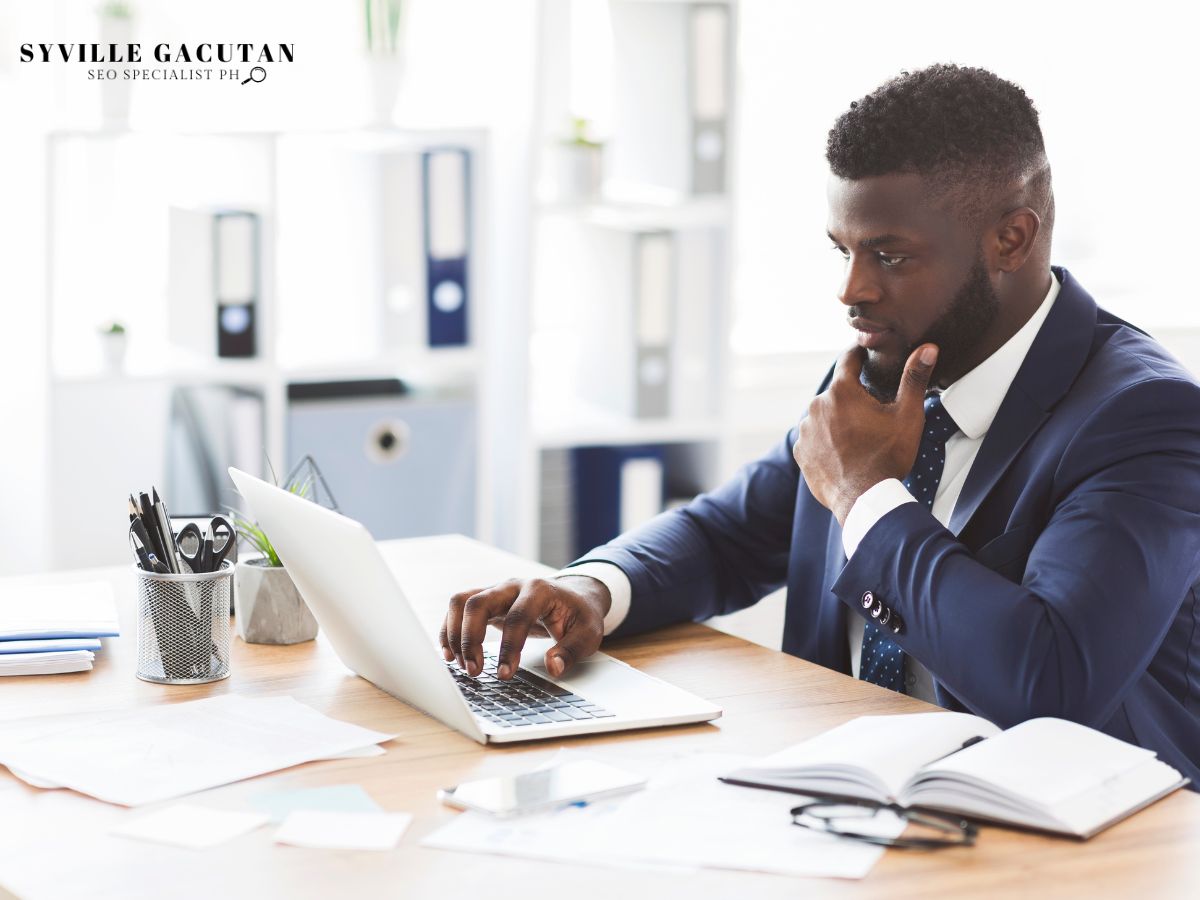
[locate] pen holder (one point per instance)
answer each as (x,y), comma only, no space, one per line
(183,633)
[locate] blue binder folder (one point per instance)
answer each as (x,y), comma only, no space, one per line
(446,176)
(598,473)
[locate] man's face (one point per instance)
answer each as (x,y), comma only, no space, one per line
(914,274)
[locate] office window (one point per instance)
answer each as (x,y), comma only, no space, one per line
(1116,92)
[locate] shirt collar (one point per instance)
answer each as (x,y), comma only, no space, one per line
(974,399)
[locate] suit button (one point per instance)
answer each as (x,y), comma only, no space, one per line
(897,624)
(867,599)
(877,609)
(886,617)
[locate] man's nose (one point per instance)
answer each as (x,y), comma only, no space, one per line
(858,285)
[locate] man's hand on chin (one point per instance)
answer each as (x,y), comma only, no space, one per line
(850,442)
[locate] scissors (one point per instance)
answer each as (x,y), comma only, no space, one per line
(200,550)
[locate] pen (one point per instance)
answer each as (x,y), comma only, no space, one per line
(146,511)
(146,557)
(167,536)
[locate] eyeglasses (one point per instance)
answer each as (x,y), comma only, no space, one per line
(850,818)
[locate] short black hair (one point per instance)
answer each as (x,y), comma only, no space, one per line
(966,129)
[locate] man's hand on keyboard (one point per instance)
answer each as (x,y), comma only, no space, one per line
(570,609)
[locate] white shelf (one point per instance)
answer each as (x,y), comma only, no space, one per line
(690,212)
(588,426)
(367,135)
(181,368)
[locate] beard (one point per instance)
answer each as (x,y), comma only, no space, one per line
(970,312)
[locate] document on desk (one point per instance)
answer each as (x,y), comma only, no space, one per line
(38,612)
(147,755)
(54,662)
(684,817)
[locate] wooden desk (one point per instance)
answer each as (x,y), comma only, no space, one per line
(54,843)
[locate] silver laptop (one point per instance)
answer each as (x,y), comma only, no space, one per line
(347,584)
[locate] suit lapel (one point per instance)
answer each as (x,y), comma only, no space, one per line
(1054,360)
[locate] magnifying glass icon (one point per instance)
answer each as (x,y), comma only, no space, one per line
(257,74)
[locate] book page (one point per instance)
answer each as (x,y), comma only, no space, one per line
(891,748)
(1045,761)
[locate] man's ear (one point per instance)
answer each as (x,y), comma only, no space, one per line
(1013,238)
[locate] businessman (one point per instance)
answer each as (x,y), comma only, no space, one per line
(992,504)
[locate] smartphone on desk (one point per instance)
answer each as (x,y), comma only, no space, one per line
(579,781)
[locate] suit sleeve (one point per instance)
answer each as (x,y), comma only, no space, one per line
(722,552)
(1101,586)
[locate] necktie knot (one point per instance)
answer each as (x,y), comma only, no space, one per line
(939,425)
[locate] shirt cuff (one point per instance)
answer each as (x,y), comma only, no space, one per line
(619,589)
(869,508)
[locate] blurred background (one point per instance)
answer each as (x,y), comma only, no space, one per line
(528,270)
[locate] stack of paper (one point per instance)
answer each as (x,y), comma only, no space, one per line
(146,755)
(684,817)
(50,629)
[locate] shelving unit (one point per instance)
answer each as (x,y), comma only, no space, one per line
(659,129)
(522,367)
(107,191)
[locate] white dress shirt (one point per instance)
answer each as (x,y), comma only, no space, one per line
(972,402)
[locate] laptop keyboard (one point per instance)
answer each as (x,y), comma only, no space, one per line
(525,700)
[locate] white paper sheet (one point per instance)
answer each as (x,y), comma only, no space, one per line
(343,830)
(55,662)
(86,609)
(187,825)
(684,817)
(46,645)
(147,755)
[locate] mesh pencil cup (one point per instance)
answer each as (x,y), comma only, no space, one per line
(183,630)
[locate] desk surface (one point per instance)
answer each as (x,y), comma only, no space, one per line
(54,843)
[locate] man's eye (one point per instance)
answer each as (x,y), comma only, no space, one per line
(890,262)
(842,250)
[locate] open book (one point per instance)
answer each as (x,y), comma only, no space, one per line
(1046,774)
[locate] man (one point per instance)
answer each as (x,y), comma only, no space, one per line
(994,501)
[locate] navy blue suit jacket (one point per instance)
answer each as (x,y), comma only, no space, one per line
(1065,584)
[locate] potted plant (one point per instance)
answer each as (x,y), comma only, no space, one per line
(578,164)
(269,608)
(113,344)
(116,27)
(384,22)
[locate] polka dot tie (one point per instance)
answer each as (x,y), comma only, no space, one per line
(882,660)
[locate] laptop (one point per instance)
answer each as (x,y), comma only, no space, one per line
(342,576)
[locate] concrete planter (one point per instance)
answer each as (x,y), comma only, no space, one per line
(269,608)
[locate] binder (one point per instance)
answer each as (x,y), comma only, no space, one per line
(556,508)
(446,182)
(708,86)
(672,71)
(213,280)
(376,258)
(615,489)
(648,306)
(653,296)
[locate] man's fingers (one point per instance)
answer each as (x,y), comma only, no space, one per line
(578,642)
(848,370)
(917,372)
(523,615)
(476,610)
(451,633)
